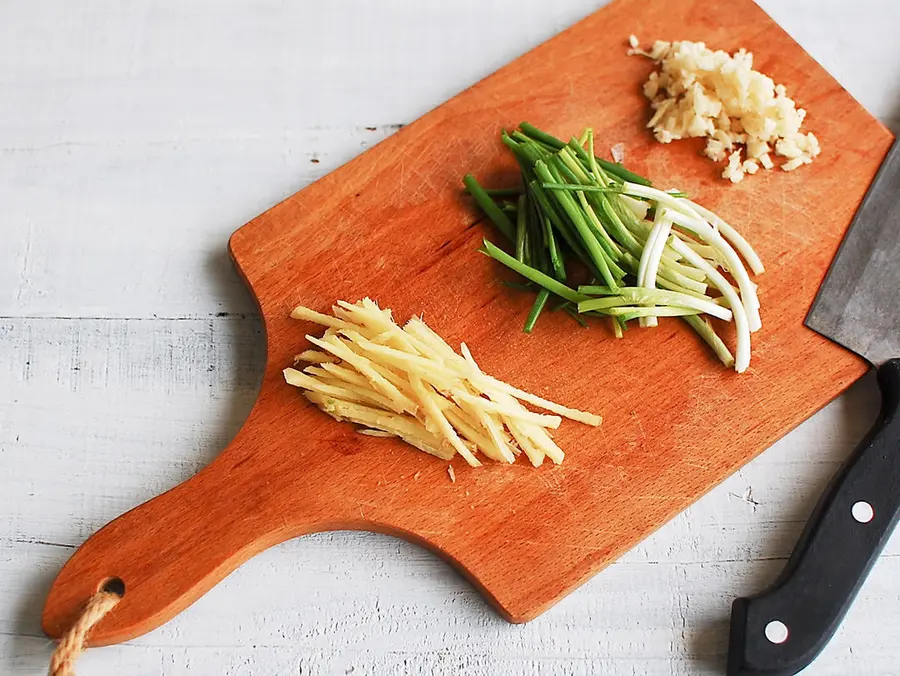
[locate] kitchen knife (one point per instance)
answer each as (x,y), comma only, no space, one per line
(779,631)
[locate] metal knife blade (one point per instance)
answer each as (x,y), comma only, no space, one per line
(781,630)
(858,304)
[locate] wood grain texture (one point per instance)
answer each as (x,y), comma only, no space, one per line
(525,538)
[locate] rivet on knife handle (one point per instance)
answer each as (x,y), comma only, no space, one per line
(781,630)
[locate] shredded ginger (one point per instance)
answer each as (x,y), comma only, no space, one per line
(698,92)
(407,382)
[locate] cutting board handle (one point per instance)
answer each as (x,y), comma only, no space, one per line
(779,631)
(170,550)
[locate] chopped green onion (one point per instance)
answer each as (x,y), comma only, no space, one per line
(570,207)
(489,207)
(536,310)
(611,247)
(533,132)
(521,216)
(568,158)
(574,205)
(503,192)
(556,260)
(647,296)
(705,330)
(533,274)
(545,207)
(574,315)
(629,312)
(621,172)
(601,303)
(595,168)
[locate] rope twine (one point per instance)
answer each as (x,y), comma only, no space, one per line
(74,641)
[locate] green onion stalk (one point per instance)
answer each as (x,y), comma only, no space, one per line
(650,253)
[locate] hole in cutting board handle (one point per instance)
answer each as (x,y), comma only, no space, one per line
(113,585)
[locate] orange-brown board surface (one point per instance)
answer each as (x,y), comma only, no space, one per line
(394,225)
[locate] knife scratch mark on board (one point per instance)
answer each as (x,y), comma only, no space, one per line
(656,498)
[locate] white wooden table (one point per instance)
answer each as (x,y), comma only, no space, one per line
(134,138)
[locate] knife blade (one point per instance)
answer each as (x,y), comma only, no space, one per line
(781,630)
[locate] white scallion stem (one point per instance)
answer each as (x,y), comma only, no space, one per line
(733,236)
(650,257)
(661,197)
(659,245)
(706,232)
(742,327)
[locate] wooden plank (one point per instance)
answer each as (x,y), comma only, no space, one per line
(135,408)
(665,443)
(155,249)
(146,173)
(164,72)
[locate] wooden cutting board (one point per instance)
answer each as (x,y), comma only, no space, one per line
(394,225)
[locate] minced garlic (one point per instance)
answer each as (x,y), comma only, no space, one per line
(698,92)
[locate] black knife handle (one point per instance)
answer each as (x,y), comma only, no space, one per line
(831,559)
